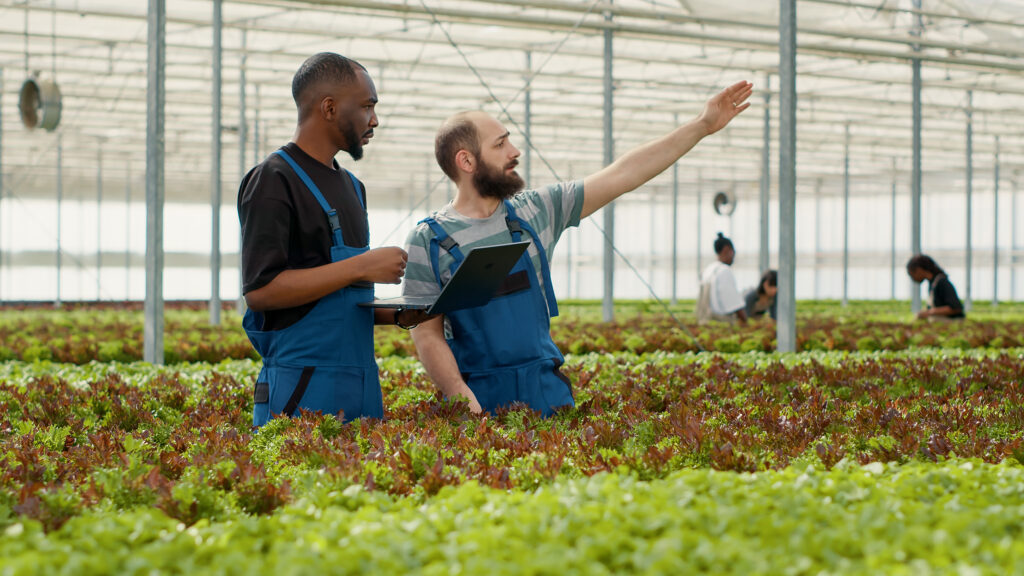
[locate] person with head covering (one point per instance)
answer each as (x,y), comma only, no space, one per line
(762,298)
(943,302)
(719,298)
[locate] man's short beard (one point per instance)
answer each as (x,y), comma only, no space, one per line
(491,182)
(354,141)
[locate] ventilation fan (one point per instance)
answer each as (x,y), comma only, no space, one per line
(40,104)
(725,203)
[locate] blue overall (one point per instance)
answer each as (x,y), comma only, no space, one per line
(325,360)
(504,349)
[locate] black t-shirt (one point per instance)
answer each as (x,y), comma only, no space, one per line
(284,227)
(944,294)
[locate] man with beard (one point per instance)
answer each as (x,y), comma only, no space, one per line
(306,261)
(502,353)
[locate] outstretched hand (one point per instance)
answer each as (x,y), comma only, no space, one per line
(726,105)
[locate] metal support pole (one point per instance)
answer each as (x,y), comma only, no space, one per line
(766,155)
(60,201)
(127,231)
(969,193)
(243,130)
(1013,242)
(256,127)
(786,325)
(817,239)
(675,222)
(892,236)
(846,218)
(608,307)
(995,229)
(99,217)
(2,192)
(915,177)
(153,346)
(528,121)
(215,166)
(700,233)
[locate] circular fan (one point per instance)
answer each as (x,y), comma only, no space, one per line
(724,203)
(39,104)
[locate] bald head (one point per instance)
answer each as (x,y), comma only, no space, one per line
(459,132)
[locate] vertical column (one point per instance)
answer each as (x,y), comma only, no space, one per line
(817,239)
(528,122)
(153,332)
(60,202)
(892,235)
(243,134)
(99,217)
(127,230)
(1013,240)
(675,222)
(256,127)
(215,166)
(608,304)
(2,192)
(786,325)
(915,177)
(969,191)
(995,229)
(766,154)
(700,233)
(846,217)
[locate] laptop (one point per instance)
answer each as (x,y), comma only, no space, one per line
(474,283)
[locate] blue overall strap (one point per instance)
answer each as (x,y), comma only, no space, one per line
(515,226)
(441,239)
(332,214)
(362,198)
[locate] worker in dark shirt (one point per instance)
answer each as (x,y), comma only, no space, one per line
(943,303)
(306,260)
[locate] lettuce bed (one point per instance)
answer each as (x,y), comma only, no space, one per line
(955,517)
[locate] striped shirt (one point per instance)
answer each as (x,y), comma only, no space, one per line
(549,211)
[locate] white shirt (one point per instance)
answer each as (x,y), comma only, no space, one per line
(725,296)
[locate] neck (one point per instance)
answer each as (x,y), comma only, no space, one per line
(469,202)
(315,144)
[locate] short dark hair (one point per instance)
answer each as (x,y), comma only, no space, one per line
(457,133)
(318,69)
(770,278)
(721,242)
(924,262)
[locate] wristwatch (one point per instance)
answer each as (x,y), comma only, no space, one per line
(399,323)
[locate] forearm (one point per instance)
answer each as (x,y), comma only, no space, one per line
(296,287)
(437,358)
(944,311)
(639,165)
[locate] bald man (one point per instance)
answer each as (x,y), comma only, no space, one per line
(306,262)
(502,353)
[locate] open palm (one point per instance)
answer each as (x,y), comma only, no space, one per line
(726,105)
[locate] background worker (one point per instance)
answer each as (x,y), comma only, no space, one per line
(719,298)
(943,302)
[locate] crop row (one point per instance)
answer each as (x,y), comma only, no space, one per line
(95,437)
(82,336)
(956,517)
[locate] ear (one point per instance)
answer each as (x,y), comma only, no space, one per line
(465,161)
(328,108)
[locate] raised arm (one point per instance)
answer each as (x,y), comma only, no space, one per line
(646,161)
